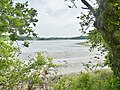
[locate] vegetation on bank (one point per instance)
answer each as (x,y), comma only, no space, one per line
(97,80)
(51,38)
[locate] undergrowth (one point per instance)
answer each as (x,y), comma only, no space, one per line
(97,80)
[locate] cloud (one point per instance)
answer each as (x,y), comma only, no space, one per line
(55,18)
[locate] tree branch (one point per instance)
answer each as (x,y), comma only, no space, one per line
(88,6)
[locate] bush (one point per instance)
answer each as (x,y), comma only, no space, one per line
(97,80)
(15,73)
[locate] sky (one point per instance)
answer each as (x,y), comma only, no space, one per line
(55,18)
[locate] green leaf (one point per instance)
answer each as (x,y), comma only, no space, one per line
(1,24)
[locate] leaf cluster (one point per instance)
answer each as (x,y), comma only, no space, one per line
(16,19)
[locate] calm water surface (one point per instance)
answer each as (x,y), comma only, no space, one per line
(64,52)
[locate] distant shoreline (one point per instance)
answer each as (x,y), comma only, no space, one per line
(21,38)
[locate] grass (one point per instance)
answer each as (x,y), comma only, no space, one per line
(97,80)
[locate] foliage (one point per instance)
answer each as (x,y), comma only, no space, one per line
(17,19)
(97,80)
(110,31)
(15,73)
(106,37)
(106,20)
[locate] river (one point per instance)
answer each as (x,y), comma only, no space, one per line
(66,53)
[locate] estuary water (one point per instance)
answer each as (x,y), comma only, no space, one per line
(67,53)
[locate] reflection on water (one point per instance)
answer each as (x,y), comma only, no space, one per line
(64,52)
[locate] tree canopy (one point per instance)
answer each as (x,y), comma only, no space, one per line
(16,19)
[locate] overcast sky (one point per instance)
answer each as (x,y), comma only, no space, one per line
(55,18)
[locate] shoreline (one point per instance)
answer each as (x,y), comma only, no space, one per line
(68,66)
(84,43)
(69,54)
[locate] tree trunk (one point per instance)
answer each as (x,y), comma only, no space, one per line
(109,26)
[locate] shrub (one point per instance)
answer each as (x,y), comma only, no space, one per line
(97,80)
(15,73)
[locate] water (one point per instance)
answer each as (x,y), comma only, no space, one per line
(64,52)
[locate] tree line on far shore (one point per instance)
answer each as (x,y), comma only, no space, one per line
(51,38)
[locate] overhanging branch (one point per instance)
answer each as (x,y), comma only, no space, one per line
(88,6)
